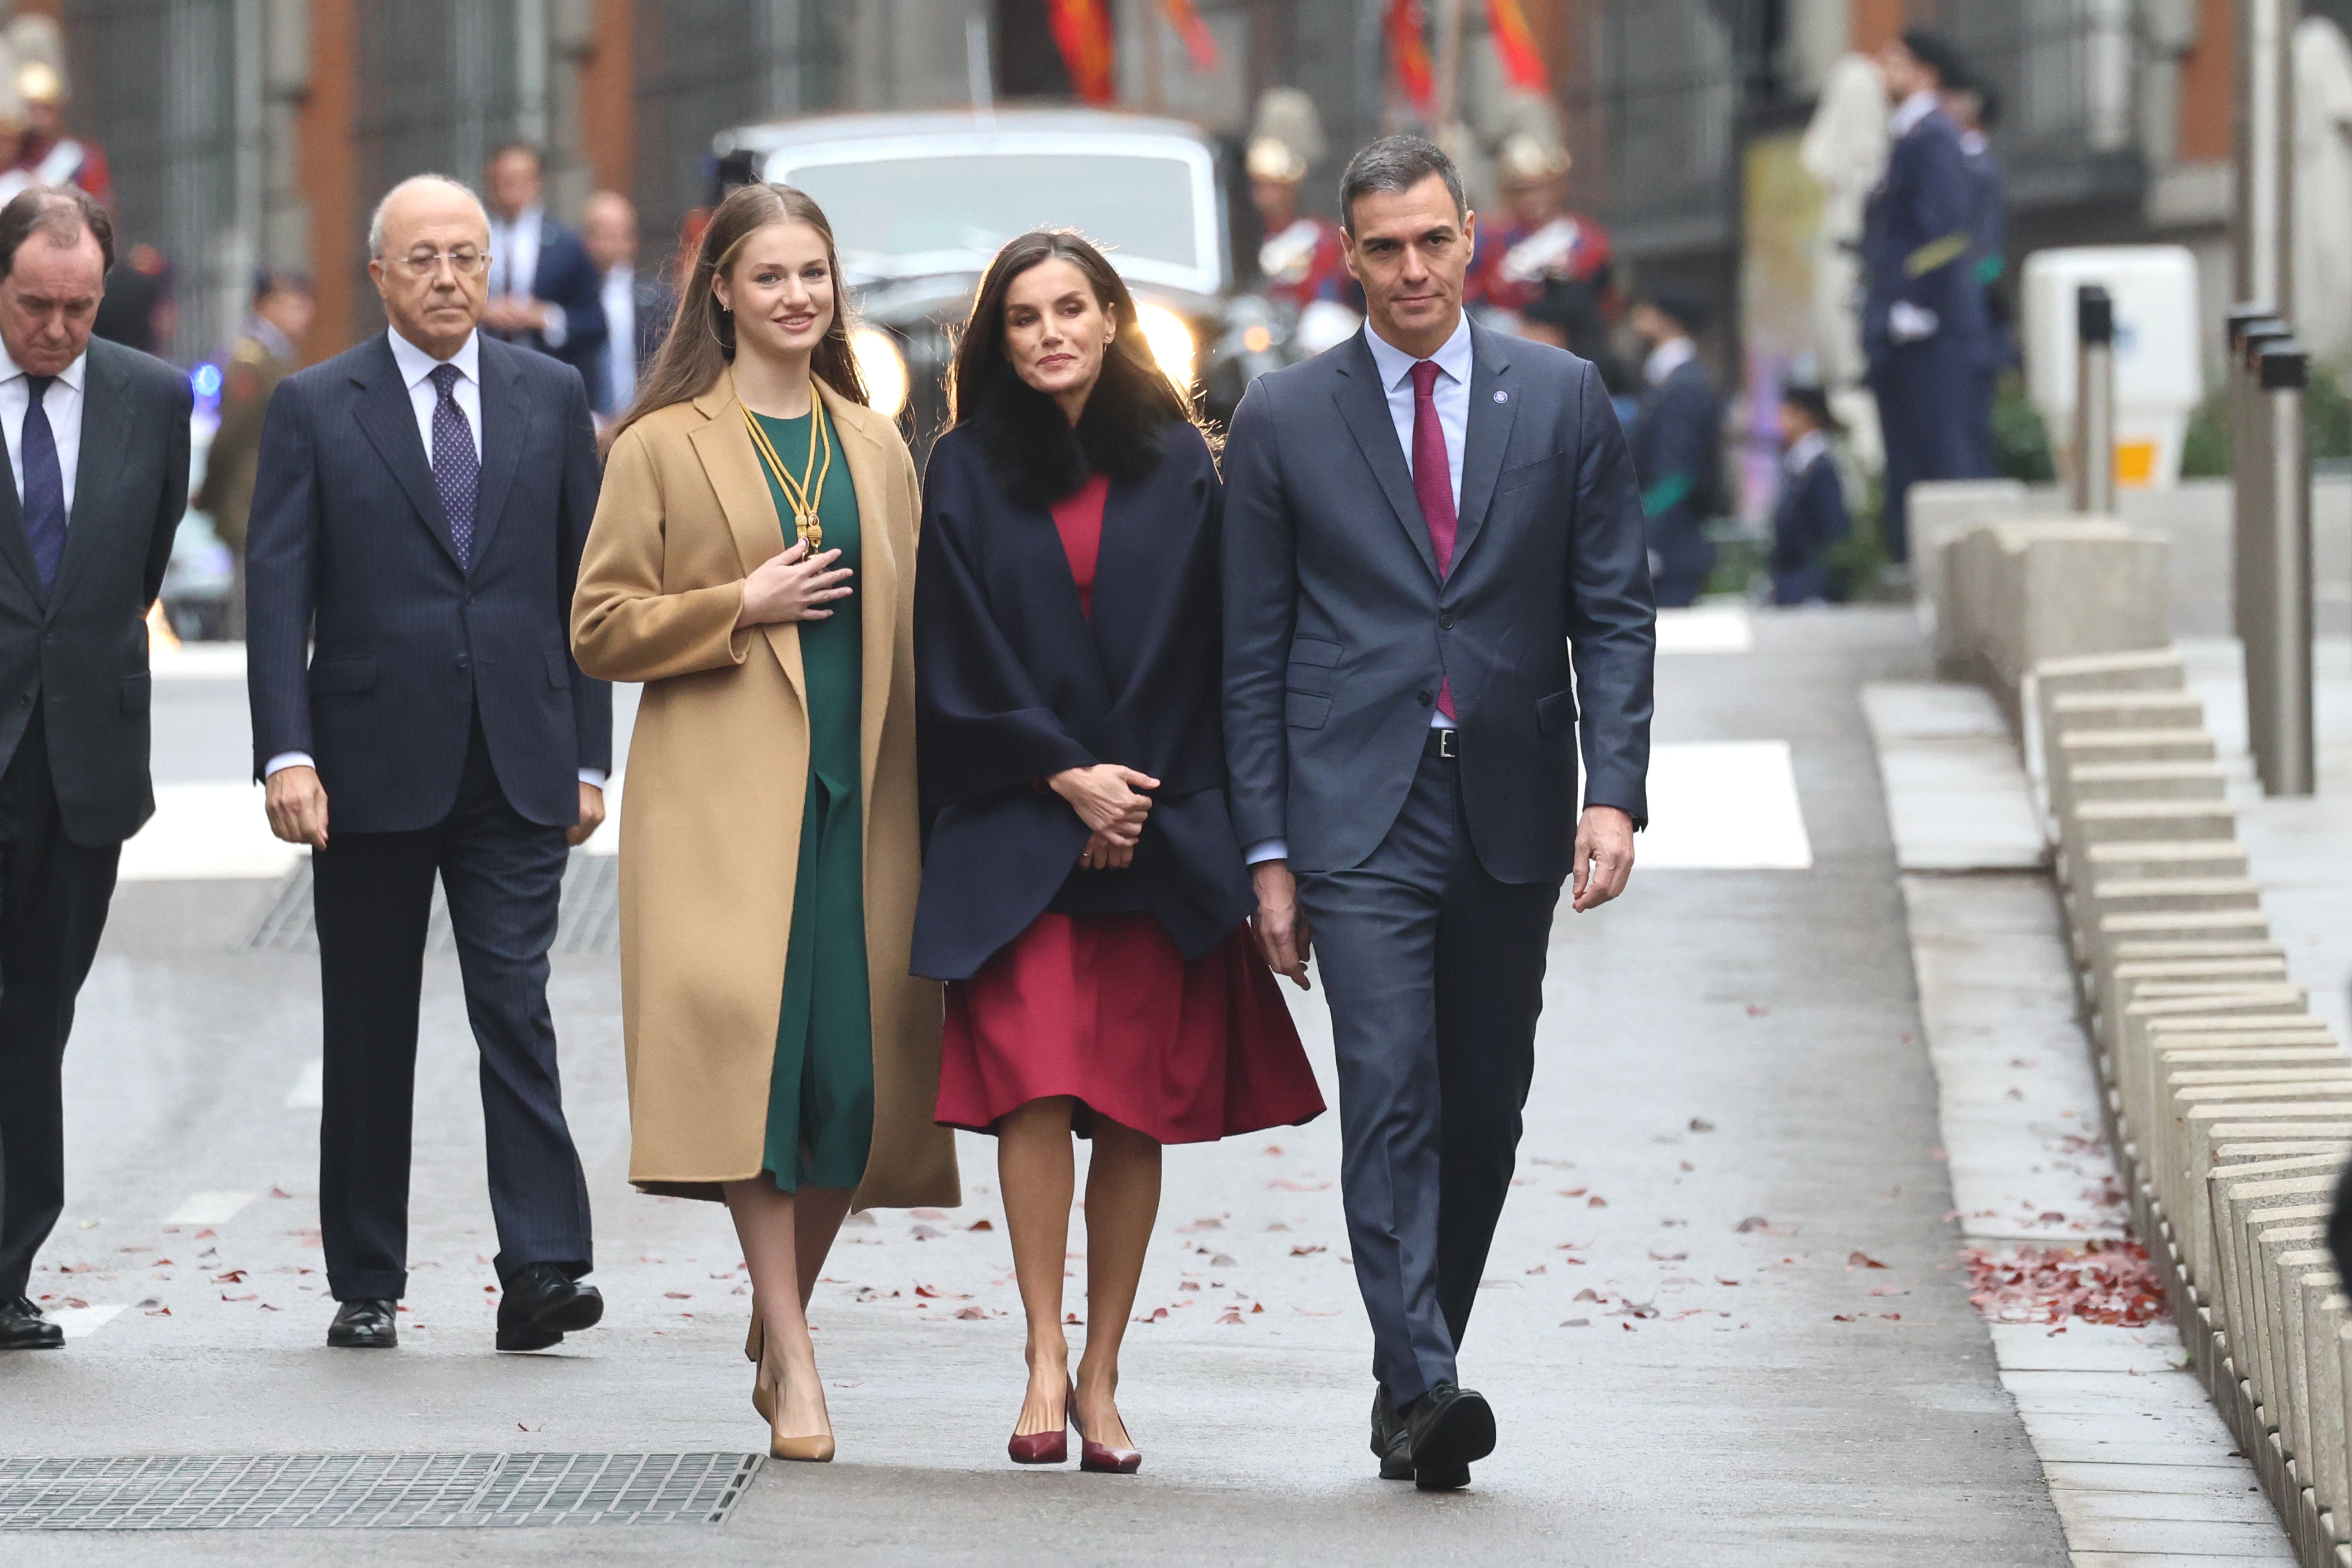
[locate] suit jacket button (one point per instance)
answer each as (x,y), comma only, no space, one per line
(461,661)
(1424,699)
(1445,620)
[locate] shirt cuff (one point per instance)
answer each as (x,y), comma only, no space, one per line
(558,328)
(285,760)
(1267,850)
(593,776)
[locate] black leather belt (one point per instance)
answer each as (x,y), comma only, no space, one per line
(1442,743)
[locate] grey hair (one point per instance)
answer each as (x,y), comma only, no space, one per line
(1395,164)
(376,223)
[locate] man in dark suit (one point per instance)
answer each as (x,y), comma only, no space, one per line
(1420,525)
(418,514)
(85,546)
(1923,313)
(544,292)
(637,305)
(1677,443)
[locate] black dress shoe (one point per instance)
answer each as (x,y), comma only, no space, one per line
(1390,1441)
(22,1328)
(366,1325)
(1448,1428)
(542,1304)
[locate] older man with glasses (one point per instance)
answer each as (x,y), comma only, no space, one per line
(419,508)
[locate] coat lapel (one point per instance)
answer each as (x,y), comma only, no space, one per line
(506,430)
(1364,405)
(733,470)
(14,544)
(389,420)
(1494,405)
(105,422)
(877,584)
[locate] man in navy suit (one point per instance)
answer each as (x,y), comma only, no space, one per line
(1923,327)
(1421,527)
(544,290)
(1677,443)
(419,508)
(82,551)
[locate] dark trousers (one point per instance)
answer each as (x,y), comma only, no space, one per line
(1434,973)
(503,876)
(1934,417)
(53,901)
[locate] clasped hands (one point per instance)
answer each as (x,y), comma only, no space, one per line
(1108,800)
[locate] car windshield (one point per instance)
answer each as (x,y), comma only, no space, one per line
(898,215)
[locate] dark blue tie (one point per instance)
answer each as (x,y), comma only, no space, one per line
(457,466)
(45,483)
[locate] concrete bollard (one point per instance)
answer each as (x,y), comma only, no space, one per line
(2148,781)
(2193,1137)
(2130,896)
(1939,511)
(2143,859)
(2096,948)
(2324,1317)
(2123,979)
(2022,592)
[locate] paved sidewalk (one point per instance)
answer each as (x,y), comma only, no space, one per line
(1725,1049)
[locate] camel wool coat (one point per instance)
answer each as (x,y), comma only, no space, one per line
(717,773)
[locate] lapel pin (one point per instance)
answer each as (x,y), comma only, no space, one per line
(1501,396)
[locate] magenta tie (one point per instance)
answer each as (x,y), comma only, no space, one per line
(1433,484)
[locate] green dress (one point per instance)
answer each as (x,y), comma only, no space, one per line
(821,1094)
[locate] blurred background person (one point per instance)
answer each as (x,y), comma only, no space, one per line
(1538,254)
(44,154)
(283,309)
(1677,441)
(1973,107)
(545,293)
(1923,316)
(141,310)
(637,305)
(1299,260)
(74,741)
(1809,514)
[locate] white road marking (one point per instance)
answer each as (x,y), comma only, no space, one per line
(1706,628)
(1724,805)
(80,1323)
(310,1090)
(209,1208)
(207,831)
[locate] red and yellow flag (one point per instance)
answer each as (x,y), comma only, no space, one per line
(1409,54)
(1199,43)
(1523,65)
(1082,30)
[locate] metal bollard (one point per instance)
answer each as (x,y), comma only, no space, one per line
(2093,485)
(2249,471)
(2278,648)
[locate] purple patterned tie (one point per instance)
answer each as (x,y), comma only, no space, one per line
(457,468)
(1433,484)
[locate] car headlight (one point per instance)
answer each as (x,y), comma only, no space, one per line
(1172,343)
(883,369)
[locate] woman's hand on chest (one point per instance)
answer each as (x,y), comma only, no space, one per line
(793,586)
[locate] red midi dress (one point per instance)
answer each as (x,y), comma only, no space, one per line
(1105,1009)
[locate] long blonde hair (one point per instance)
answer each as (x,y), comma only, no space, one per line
(702,340)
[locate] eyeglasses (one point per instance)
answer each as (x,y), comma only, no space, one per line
(465,261)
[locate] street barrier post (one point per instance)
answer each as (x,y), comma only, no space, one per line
(2278,645)
(2094,401)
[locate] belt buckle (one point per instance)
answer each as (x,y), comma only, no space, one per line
(1449,744)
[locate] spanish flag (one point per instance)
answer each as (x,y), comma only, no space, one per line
(1409,53)
(1082,30)
(1523,65)
(1199,43)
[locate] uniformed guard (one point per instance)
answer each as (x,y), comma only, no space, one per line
(1543,271)
(1973,107)
(45,155)
(1301,260)
(283,307)
(1678,442)
(1923,314)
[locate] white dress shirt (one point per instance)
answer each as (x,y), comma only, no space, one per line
(514,267)
(1452,396)
(416,368)
(1910,111)
(620,299)
(62,403)
(1667,358)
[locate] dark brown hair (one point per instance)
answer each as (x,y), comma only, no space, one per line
(60,212)
(701,340)
(1028,441)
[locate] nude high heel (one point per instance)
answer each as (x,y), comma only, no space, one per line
(767,1398)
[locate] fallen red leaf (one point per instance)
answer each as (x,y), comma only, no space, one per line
(1862,1260)
(981,1225)
(1596,1202)
(2108,1282)
(1305,1251)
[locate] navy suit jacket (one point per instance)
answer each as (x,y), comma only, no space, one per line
(80,649)
(1338,629)
(368,646)
(1808,516)
(1014,682)
(1917,244)
(566,278)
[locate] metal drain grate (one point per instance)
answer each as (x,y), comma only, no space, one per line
(589,922)
(372,1491)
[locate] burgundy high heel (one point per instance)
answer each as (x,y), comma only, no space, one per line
(1101,1458)
(1043,1448)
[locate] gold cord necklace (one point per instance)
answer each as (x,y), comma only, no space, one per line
(799,494)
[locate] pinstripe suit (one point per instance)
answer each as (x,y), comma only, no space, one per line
(448,724)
